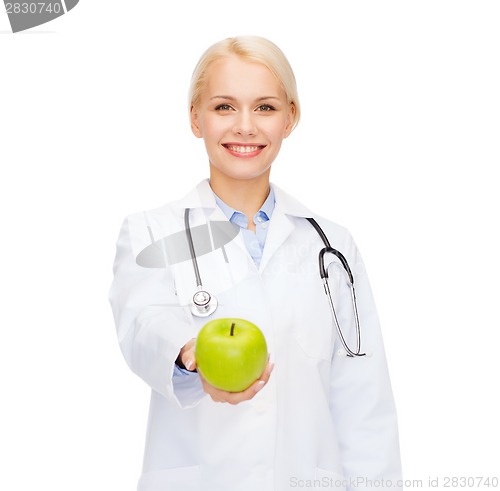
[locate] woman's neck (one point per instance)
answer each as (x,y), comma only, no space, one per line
(245,195)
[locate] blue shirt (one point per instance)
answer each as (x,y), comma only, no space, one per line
(254,242)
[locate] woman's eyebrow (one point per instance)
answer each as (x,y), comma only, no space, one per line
(227,97)
(266,98)
(230,98)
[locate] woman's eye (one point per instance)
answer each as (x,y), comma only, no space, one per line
(223,107)
(266,107)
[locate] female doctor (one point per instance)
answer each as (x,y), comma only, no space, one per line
(319,418)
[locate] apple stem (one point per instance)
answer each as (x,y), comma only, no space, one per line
(232,329)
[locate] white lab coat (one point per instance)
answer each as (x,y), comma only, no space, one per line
(323,420)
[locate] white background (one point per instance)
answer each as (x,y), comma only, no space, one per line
(400,118)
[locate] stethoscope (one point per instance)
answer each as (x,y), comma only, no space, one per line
(205,304)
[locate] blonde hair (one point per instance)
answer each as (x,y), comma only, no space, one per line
(252,48)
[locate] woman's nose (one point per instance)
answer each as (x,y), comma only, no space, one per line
(245,124)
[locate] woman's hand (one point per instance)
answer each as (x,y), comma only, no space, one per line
(219,395)
(187,359)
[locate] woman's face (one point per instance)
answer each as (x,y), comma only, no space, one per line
(243,116)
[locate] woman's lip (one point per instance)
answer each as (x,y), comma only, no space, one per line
(244,150)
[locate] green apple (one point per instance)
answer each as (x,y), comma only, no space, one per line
(231,354)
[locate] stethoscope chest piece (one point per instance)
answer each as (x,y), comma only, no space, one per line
(204,304)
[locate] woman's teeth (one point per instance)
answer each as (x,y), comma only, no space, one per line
(245,149)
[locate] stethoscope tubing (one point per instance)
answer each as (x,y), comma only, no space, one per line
(205,304)
(324,276)
(191,248)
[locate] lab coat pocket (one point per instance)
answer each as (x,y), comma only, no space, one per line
(182,478)
(314,338)
(312,321)
(329,479)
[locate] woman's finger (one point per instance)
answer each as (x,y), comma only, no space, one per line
(219,395)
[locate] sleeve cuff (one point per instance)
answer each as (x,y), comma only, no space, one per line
(188,389)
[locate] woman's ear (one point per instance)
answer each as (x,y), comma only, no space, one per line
(290,120)
(195,124)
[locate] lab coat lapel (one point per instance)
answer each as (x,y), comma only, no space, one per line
(204,208)
(281,224)
(280,228)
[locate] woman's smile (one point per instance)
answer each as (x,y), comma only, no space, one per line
(244,150)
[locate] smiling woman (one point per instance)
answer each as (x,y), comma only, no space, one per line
(322,413)
(242,129)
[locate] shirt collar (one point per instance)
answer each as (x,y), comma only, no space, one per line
(266,209)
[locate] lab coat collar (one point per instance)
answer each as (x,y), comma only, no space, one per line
(289,205)
(202,196)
